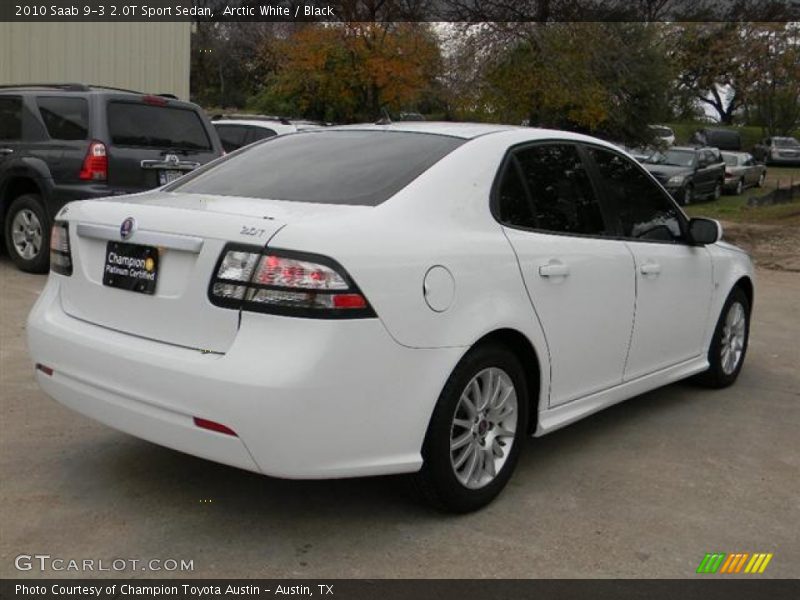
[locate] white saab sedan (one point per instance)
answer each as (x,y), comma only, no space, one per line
(379,299)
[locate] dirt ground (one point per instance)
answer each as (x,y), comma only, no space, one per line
(772,245)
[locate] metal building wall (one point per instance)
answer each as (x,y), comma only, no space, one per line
(148,57)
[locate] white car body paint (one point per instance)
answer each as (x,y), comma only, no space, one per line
(312,398)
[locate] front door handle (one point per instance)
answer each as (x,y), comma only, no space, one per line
(650,268)
(6,151)
(554,269)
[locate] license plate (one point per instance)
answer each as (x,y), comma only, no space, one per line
(168,176)
(131,267)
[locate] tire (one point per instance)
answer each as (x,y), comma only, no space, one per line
(739,187)
(447,480)
(717,191)
(761,179)
(27,234)
(688,195)
(722,373)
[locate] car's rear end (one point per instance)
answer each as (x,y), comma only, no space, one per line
(177,317)
(150,141)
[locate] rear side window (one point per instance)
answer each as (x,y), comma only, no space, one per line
(149,126)
(259,133)
(331,167)
(562,194)
(231,136)
(65,118)
(644,210)
(10,118)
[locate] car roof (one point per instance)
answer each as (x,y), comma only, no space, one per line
(465,131)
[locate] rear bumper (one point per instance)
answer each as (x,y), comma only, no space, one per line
(307,398)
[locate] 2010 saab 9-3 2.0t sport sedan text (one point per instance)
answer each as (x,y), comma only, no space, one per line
(383,299)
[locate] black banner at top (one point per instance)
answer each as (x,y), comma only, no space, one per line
(399,10)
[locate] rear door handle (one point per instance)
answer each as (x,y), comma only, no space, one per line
(650,268)
(554,270)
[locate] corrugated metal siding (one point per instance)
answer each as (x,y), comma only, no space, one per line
(148,57)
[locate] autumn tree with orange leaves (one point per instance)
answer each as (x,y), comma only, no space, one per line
(347,72)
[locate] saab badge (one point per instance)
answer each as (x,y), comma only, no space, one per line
(127,228)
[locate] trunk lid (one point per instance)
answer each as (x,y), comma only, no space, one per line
(189,232)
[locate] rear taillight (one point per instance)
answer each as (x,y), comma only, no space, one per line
(60,255)
(285,283)
(95,164)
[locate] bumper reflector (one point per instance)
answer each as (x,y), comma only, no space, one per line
(214,426)
(46,370)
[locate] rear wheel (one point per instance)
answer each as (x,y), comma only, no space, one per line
(476,431)
(761,179)
(729,344)
(27,233)
(739,187)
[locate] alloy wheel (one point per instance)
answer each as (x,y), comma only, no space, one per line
(733,334)
(26,234)
(483,428)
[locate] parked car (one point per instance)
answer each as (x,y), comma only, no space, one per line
(689,173)
(66,142)
(742,171)
(415,297)
(724,139)
(238,131)
(664,136)
(778,151)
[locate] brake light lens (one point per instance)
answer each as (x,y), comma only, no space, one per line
(95,164)
(286,283)
(60,253)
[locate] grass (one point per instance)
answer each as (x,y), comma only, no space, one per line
(735,208)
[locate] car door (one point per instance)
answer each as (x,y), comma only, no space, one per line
(579,278)
(674,280)
(705,175)
(10,126)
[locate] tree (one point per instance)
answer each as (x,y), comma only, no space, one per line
(604,78)
(351,71)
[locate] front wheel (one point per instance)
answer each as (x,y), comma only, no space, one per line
(475,434)
(729,344)
(718,190)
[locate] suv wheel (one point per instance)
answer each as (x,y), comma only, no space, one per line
(476,431)
(718,190)
(28,234)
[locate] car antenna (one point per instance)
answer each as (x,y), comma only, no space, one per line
(385,119)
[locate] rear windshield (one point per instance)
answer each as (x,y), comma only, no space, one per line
(331,167)
(148,126)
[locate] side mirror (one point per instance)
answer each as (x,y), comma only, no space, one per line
(704,231)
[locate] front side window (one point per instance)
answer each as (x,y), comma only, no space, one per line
(644,211)
(562,198)
(64,118)
(10,118)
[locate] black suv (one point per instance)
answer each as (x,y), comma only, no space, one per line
(688,173)
(65,142)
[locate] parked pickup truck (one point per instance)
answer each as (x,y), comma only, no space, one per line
(688,173)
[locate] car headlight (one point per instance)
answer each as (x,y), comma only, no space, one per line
(677,180)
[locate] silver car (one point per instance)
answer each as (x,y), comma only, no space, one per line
(742,171)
